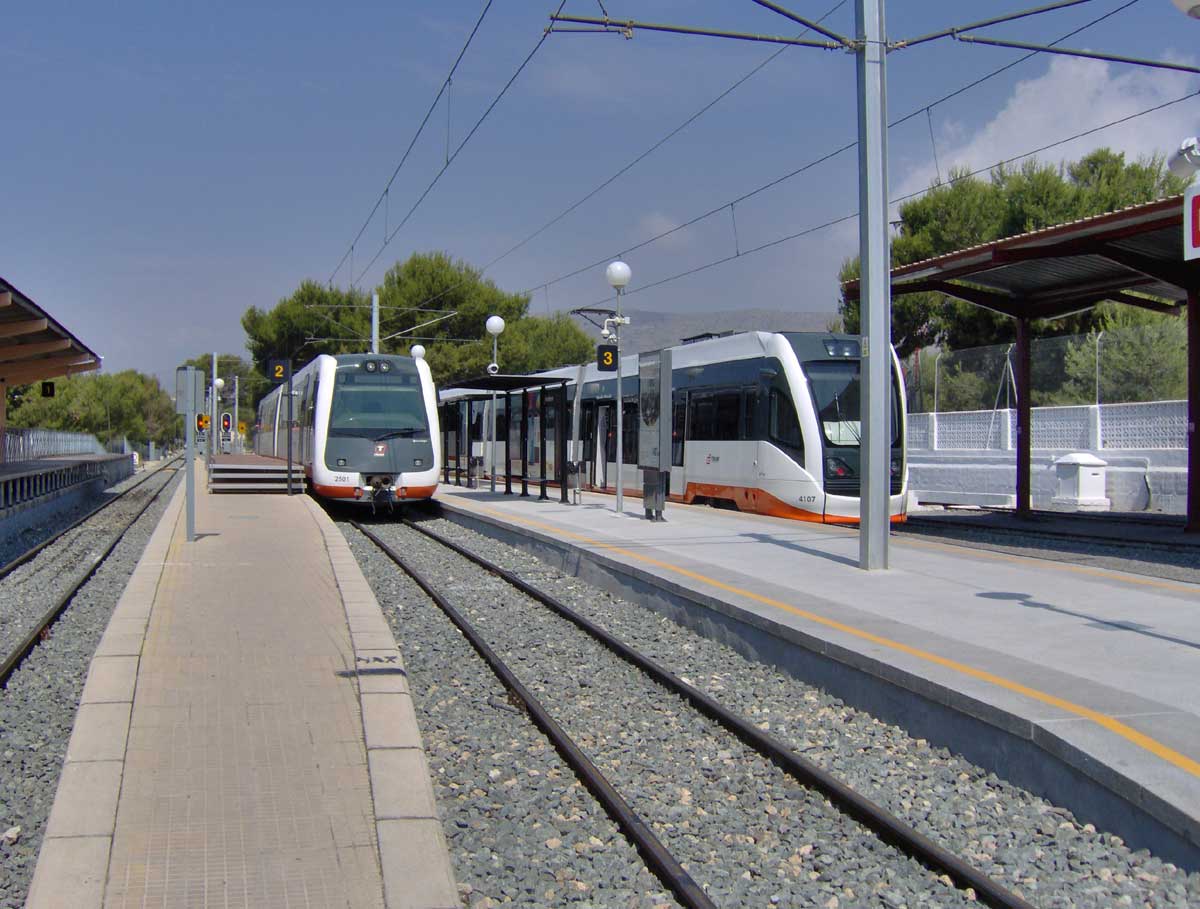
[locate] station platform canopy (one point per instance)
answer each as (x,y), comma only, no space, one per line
(1132,256)
(35,346)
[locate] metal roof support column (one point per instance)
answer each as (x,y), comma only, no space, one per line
(542,441)
(508,443)
(1193,406)
(524,443)
(458,440)
(444,419)
(560,442)
(3,418)
(1024,382)
(470,446)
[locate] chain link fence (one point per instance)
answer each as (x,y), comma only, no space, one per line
(1124,388)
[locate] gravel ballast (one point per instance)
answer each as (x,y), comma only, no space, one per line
(1022,841)
(37,708)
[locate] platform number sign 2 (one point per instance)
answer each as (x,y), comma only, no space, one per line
(606,357)
(278,370)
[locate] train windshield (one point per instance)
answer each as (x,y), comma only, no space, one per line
(836,390)
(377,405)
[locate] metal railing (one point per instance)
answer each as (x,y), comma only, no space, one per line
(31,444)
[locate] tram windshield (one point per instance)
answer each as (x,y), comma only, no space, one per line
(377,406)
(836,388)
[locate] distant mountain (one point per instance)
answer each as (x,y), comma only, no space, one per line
(649,330)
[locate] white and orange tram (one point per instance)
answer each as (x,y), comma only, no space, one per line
(364,427)
(765,422)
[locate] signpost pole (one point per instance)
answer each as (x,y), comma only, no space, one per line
(189,470)
(289,425)
(236,424)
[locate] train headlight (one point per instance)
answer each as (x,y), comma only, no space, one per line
(836,467)
(385,366)
(897,466)
(842,348)
(370,366)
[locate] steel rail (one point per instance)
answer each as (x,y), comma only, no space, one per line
(664,865)
(946,527)
(886,825)
(50,616)
(29,554)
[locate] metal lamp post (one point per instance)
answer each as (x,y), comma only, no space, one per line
(495,325)
(618,275)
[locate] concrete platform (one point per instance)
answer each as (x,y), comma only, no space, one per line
(1078,683)
(246,735)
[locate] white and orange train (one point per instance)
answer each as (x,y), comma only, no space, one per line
(364,427)
(766,422)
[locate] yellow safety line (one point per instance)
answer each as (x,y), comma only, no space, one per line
(1182,761)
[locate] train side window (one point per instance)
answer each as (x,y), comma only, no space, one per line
(726,413)
(784,427)
(629,433)
(701,416)
(678,424)
(749,406)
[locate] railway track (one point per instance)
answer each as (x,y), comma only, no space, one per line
(38,585)
(687,713)
(1145,548)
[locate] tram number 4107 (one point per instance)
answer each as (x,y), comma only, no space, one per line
(606,357)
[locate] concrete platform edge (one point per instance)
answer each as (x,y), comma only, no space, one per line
(72,866)
(413,853)
(988,733)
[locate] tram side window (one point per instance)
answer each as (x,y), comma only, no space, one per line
(725,418)
(629,434)
(784,427)
(749,406)
(701,417)
(678,423)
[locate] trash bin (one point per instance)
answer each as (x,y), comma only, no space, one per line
(1081,479)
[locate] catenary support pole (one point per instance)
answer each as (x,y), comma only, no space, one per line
(374,323)
(875,301)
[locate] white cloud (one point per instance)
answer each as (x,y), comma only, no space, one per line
(1072,96)
(656,222)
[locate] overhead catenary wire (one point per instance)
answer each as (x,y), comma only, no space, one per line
(904,198)
(831,154)
(420,129)
(637,159)
(450,160)
(763,187)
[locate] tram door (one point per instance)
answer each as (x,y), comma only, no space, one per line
(604,414)
(586,453)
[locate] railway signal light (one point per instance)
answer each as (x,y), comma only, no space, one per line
(226,422)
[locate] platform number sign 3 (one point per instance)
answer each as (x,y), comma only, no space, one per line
(278,370)
(606,357)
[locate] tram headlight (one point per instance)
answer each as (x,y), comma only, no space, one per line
(836,467)
(385,366)
(370,366)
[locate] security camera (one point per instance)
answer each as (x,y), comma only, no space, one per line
(493,369)
(604,332)
(1186,161)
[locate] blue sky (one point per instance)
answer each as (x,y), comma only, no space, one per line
(167,165)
